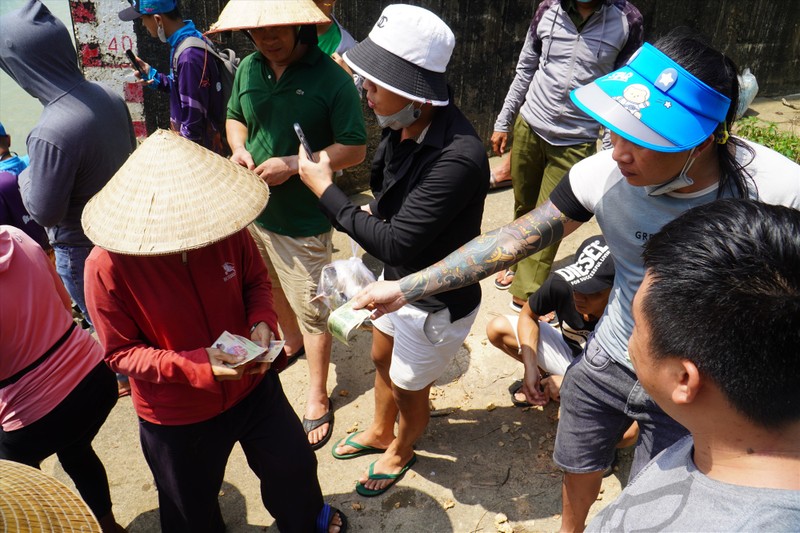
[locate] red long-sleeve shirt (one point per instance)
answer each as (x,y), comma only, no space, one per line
(156,315)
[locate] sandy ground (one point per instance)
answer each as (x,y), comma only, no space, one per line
(479,457)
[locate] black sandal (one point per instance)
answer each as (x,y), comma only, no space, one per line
(513,389)
(311,425)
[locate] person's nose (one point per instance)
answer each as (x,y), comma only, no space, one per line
(622,150)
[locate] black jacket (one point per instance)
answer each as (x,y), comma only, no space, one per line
(428,201)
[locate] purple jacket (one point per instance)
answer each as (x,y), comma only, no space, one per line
(13,212)
(196,106)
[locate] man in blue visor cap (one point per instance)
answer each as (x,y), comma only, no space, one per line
(670,111)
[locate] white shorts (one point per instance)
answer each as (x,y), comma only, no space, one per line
(424,343)
(554,353)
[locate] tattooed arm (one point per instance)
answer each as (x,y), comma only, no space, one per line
(481,257)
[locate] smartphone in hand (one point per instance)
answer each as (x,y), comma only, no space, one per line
(300,135)
(132,58)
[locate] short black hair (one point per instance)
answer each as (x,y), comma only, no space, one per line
(175,14)
(725,294)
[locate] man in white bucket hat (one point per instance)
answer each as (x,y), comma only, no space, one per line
(174,268)
(429,180)
(288,80)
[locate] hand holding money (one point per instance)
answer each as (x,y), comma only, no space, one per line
(344,321)
(221,365)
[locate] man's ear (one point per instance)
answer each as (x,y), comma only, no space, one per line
(687,382)
(703,145)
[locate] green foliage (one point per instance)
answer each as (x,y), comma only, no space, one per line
(767,133)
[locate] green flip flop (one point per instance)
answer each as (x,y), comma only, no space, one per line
(364,491)
(361,449)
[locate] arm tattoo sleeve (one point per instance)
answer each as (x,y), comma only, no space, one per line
(488,253)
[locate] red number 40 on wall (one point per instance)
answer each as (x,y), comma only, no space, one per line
(125,41)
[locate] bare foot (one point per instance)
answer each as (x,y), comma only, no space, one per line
(503,171)
(336,523)
(388,463)
(315,411)
(364,438)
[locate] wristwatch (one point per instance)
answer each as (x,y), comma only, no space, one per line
(254,326)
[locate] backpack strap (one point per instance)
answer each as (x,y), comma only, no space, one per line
(194,42)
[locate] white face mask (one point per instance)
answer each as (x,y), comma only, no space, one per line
(402,119)
(678,182)
(161,35)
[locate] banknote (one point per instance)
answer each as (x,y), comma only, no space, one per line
(344,321)
(250,351)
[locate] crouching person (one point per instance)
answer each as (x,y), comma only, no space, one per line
(174,267)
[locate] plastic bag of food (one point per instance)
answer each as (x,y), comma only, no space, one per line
(342,279)
(748,88)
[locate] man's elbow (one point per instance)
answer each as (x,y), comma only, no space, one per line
(47,218)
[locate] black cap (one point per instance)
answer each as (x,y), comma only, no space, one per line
(593,269)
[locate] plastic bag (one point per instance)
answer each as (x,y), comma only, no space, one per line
(748,88)
(342,279)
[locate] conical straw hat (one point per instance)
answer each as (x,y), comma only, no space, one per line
(172,195)
(30,500)
(249,14)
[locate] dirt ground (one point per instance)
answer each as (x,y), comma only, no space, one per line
(479,458)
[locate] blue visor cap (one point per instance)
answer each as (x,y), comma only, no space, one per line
(654,102)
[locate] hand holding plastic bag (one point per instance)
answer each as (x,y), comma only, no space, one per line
(342,279)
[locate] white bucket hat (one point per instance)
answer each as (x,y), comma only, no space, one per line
(170,196)
(407,53)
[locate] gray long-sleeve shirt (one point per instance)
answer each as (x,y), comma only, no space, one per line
(84,133)
(557,58)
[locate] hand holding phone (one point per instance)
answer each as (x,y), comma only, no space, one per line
(135,63)
(300,135)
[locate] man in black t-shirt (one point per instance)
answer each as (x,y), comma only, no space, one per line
(578,293)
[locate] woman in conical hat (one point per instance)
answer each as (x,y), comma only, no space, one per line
(173,270)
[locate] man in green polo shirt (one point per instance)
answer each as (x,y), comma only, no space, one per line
(287,80)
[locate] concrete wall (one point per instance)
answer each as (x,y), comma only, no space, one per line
(761,34)
(101,40)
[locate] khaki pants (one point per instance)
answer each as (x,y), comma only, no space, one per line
(536,168)
(295,264)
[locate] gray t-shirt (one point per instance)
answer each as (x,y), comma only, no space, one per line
(671,494)
(628,216)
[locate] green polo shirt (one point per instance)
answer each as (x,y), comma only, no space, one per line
(329,41)
(314,92)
